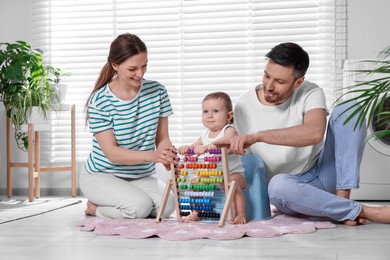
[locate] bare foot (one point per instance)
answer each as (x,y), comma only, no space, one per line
(192,217)
(357,221)
(379,214)
(373,214)
(91,209)
(346,195)
(239,219)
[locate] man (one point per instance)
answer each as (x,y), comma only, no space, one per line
(283,120)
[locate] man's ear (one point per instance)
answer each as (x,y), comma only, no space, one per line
(299,81)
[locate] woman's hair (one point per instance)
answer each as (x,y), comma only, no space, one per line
(225,97)
(290,54)
(123,47)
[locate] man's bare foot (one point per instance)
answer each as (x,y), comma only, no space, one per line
(91,209)
(239,219)
(377,214)
(344,193)
(357,221)
(192,217)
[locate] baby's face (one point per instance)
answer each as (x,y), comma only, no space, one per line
(214,114)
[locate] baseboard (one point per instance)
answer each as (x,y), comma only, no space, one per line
(372,191)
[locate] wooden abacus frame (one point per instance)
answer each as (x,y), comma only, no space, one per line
(173,185)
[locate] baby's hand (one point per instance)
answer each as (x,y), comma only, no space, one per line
(201,149)
(184,149)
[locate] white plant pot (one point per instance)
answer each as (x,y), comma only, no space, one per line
(37,118)
(60,90)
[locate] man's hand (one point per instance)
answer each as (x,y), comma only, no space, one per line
(236,144)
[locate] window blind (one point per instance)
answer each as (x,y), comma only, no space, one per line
(195,47)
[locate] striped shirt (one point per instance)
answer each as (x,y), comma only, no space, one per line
(133,122)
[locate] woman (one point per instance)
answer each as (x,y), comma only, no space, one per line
(128,117)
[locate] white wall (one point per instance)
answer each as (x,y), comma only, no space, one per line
(15,17)
(368,28)
(368,33)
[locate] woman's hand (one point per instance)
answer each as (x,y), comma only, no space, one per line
(165,155)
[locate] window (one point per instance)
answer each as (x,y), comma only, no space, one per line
(195,47)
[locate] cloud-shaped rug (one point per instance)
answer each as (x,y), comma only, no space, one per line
(172,229)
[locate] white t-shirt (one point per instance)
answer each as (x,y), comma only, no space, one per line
(251,116)
(234,160)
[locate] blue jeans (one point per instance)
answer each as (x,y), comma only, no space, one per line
(313,192)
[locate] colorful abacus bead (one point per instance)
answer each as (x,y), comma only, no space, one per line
(184,200)
(190,159)
(199,193)
(195,200)
(202,187)
(181,179)
(212,158)
(196,207)
(209,215)
(215,151)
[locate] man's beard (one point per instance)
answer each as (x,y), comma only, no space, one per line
(278,99)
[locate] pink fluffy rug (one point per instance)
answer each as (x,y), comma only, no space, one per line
(174,230)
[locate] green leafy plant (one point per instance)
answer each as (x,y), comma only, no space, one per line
(372,96)
(55,75)
(25,82)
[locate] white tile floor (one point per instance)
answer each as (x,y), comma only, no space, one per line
(55,236)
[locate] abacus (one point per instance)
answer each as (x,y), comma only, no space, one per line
(197,185)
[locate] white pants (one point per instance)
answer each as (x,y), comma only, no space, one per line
(118,198)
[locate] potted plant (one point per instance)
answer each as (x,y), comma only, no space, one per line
(55,76)
(24,84)
(372,96)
